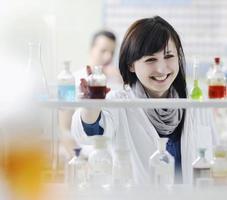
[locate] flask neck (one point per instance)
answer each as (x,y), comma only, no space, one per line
(97,70)
(196,83)
(162,144)
(67,66)
(202,152)
(217,63)
(77,151)
(195,69)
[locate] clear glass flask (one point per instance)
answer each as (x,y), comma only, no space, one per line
(97,84)
(35,76)
(219,166)
(196,92)
(216,81)
(66,83)
(76,171)
(161,165)
(100,163)
(122,169)
(201,167)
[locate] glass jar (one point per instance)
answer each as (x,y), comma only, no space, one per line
(122,169)
(100,163)
(201,167)
(219,166)
(161,165)
(76,171)
(66,83)
(97,84)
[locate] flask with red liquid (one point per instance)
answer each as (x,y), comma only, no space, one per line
(97,84)
(216,81)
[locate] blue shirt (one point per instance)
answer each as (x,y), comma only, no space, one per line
(93,129)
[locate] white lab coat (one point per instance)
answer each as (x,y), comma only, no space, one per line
(129,128)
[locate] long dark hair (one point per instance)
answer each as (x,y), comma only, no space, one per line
(145,37)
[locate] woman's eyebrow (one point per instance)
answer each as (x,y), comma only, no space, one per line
(150,56)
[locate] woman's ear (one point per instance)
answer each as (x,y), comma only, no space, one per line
(132,68)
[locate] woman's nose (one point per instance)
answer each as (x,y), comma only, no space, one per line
(161,67)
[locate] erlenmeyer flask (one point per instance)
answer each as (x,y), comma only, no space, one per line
(36,81)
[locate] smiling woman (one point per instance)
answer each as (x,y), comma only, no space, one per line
(158,71)
(152,63)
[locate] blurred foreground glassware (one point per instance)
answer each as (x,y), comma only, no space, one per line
(76,172)
(23,167)
(100,163)
(122,169)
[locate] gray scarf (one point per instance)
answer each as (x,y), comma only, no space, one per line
(165,121)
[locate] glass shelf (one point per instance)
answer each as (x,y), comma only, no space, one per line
(136,103)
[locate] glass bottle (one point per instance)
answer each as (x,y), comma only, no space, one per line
(161,165)
(224,68)
(196,92)
(122,169)
(216,81)
(219,166)
(100,164)
(201,167)
(35,76)
(66,83)
(76,171)
(97,84)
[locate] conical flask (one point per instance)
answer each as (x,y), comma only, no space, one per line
(36,81)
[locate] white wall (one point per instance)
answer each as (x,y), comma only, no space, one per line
(63,26)
(76,22)
(201,24)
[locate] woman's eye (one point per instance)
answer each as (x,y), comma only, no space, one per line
(168,56)
(150,60)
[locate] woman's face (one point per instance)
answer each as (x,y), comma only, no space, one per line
(158,71)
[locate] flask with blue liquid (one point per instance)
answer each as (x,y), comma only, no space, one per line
(66,84)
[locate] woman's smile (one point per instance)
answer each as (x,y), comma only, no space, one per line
(161,78)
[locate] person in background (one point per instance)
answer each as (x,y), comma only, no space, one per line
(101,52)
(152,64)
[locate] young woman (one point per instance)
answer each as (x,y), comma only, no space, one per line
(152,63)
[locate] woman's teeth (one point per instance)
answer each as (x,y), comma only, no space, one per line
(160,78)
